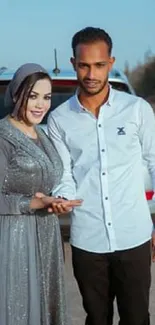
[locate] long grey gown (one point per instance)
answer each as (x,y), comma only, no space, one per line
(32,288)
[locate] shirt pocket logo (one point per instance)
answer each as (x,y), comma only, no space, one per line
(121,130)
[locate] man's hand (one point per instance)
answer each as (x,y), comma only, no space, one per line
(58,205)
(153,246)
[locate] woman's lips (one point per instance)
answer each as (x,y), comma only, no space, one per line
(37,113)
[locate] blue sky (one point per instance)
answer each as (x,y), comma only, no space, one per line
(31,29)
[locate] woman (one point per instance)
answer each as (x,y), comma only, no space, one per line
(31,274)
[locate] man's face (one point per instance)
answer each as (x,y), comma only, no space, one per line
(92,65)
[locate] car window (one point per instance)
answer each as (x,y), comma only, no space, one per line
(3,111)
(120,86)
(62,90)
(62,93)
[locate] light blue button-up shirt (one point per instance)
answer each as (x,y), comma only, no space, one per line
(103,165)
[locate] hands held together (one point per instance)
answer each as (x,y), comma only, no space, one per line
(52,204)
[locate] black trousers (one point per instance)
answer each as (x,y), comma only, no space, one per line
(122,274)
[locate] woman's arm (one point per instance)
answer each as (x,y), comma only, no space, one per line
(18,203)
(13,203)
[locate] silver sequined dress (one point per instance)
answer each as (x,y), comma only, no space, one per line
(32,289)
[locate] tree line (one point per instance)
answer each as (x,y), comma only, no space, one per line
(142,78)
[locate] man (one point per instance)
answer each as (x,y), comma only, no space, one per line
(102,135)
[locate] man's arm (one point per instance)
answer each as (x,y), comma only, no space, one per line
(147,137)
(67,187)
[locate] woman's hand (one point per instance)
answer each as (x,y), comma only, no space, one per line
(60,206)
(56,205)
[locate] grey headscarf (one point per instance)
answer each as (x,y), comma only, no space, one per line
(24,71)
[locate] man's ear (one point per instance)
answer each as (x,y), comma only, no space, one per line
(72,60)
(111,62)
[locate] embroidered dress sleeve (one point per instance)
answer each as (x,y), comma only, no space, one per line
(10,203)
(147,137)
(66,187)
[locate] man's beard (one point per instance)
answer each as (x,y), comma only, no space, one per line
(93,93)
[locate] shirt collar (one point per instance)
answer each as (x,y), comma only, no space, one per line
(79,106)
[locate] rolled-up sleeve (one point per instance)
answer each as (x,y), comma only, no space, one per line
(66,187)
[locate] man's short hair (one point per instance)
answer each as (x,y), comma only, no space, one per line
(90,35)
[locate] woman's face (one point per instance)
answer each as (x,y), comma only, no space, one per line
(39,101)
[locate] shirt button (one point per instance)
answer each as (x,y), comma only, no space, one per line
(106,198)
(103,150)
(99,125)
(103,174)
(109,223)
